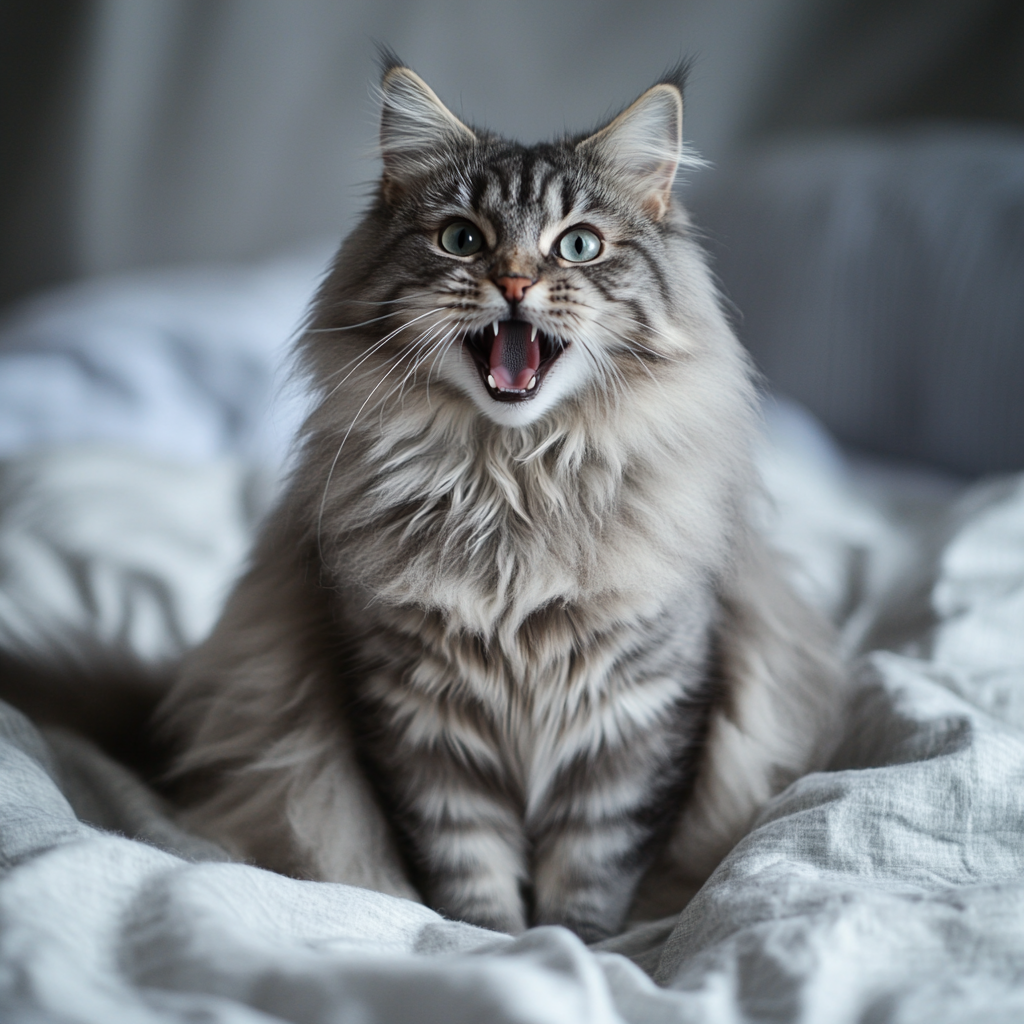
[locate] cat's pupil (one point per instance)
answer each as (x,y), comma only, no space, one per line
(579,245)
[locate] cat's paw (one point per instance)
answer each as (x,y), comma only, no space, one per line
(588,931)
(510,924)
(494,913)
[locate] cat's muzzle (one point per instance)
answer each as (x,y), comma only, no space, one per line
(513,357)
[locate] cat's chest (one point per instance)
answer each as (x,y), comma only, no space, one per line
(546,698)
(483,537)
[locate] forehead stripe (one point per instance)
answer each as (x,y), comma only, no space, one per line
(453,193)
(504,182)
(478,190)
(545,183)
(526,177)
(568,197)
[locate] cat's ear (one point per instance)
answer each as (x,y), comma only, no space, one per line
(644,145)
(415,126)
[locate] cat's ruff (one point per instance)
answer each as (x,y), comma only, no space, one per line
(509,639)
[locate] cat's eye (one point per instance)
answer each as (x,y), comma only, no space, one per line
(461,238)
(579,245)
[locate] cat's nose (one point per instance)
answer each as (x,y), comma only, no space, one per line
(514,288)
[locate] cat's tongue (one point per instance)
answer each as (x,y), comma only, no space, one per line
(515,356)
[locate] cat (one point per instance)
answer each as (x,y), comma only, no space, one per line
(510,638)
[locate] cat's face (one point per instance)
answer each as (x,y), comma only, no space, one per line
(522,275)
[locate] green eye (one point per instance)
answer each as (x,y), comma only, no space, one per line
(579,245)
(461,238)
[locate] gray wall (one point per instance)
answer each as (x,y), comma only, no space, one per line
(160,131)
(141,132)
(883,291)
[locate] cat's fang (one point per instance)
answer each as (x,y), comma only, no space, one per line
(533,382)
(490,380)
(533,332)
(495,326)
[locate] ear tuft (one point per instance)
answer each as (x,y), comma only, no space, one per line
(387,59)
(414,124)
(644,144)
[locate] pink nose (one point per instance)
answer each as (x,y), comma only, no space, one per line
(513,288)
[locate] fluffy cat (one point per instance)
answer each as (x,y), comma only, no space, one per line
(509,636)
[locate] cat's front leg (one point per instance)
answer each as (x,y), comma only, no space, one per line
(595,836)
(470,846)
(446,785)
(585,876)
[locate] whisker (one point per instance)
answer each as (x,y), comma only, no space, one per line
(423,347)
(337,455)
(428,348)
(385,302)
(351,327)
(614,383)
(373,348)
(374,320)
(455,337)
(644,366)
(447,340)
(630,341)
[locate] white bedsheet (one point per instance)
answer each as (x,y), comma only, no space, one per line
(189,363)
(890,888)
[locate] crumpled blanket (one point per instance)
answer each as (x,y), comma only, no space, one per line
(889,888)
(886,889)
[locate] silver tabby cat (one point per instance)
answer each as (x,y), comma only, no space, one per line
(509,639)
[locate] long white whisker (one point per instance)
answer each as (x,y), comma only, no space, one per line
(426,347)
(351,327)
(385,302)
(337,455)
(373,348)
(423,342)
(455,333)
(444,344)
(359,358)
(645,367)
(631,342)
(614,383)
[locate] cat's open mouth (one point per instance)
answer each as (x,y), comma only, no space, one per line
(513,358)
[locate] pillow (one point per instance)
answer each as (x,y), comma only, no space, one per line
(188,364)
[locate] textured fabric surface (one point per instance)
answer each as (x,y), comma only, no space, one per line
(890,888)
(887,889)
(189,364)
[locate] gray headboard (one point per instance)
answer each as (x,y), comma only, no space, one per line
(879,279)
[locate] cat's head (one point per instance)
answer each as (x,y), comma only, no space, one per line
(517,277)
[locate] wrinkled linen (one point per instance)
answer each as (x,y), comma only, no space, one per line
(889,888)
(188,364)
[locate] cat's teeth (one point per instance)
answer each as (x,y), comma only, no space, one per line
(490,380)
(533,379)
(533,334)
(495,326)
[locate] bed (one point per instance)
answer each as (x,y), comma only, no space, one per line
(144,426)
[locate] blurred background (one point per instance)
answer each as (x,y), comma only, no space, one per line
(865,207)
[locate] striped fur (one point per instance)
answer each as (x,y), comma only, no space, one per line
(508,655)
